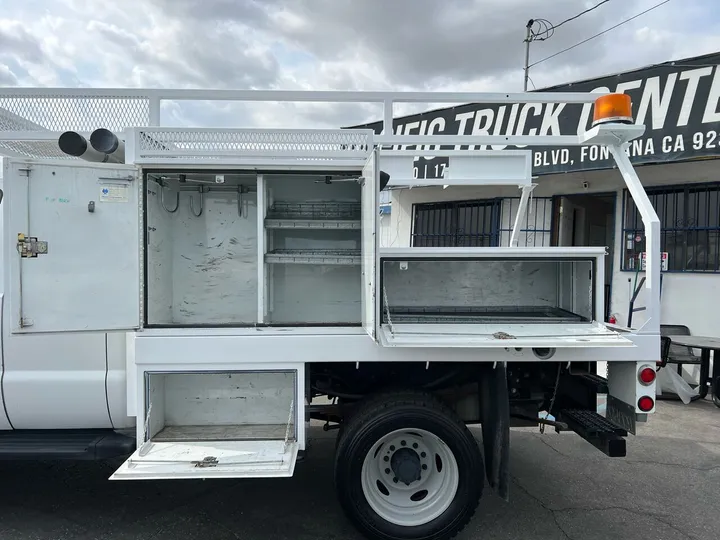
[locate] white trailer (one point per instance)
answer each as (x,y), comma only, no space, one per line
(214,290)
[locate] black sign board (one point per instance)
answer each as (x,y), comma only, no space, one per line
(679,102)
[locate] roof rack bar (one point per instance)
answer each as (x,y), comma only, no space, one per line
(307,95)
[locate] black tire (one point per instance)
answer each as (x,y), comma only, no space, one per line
(715,390)
(340,433)
(382,414)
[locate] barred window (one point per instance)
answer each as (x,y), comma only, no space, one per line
(689,223)
(535,225)
(456,224)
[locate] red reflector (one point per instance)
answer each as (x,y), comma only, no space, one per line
(647,375)
(646,403)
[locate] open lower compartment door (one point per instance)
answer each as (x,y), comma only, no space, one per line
(493,297)
(501,336)
(209,459)
(217,424)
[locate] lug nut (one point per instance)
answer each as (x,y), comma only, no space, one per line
(403,443)
(395,480)
(386,458)
(423,454)
(424,467)
(387,471)
(415,445)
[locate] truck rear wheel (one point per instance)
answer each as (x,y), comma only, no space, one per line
(407,467)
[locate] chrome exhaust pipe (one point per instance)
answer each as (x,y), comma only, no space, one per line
(74,144)
(105,141)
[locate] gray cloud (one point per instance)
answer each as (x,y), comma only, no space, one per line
(328,44)
(16,41)
(224,59)
(248,12)
(7,77)
(415,42)
(205,55)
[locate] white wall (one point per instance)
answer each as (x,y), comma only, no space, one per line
(201,269)
(388,236)
(482,283)
(159,255)
(688,298)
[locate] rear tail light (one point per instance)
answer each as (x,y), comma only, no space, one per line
(646,375)
(646,403)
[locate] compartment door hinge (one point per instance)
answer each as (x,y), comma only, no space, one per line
(30,247)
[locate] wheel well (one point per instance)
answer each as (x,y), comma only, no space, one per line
(352,382)
(334,388)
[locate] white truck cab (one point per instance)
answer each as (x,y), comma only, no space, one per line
(183,297)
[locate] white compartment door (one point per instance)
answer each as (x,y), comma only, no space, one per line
(547,335)
(72,231)
(370,210)
(214,459)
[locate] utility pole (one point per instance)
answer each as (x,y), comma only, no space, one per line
(528,35)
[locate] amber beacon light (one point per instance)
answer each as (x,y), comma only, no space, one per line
(615,108)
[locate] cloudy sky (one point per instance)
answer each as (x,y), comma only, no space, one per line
(330,44)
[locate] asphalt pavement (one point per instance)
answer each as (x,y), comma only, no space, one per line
(562,488)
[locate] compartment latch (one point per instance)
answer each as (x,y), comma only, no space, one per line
(208,461)
(30,246)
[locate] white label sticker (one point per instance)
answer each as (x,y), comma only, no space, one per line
(114,193)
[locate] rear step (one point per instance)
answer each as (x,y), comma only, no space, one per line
(51,444)
(593,381)
(597,430)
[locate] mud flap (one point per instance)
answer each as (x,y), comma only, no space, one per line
(495,417)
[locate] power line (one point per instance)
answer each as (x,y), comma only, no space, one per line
(599,34)
(547,29)
(580,14)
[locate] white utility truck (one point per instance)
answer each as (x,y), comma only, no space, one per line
(192,298)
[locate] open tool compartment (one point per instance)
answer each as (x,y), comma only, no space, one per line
(493,297)
(242,249)
(230,423)
(201,249)
(312,259)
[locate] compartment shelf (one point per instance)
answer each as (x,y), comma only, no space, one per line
(330,210)
(314,215)
(325,224)
(314,256)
